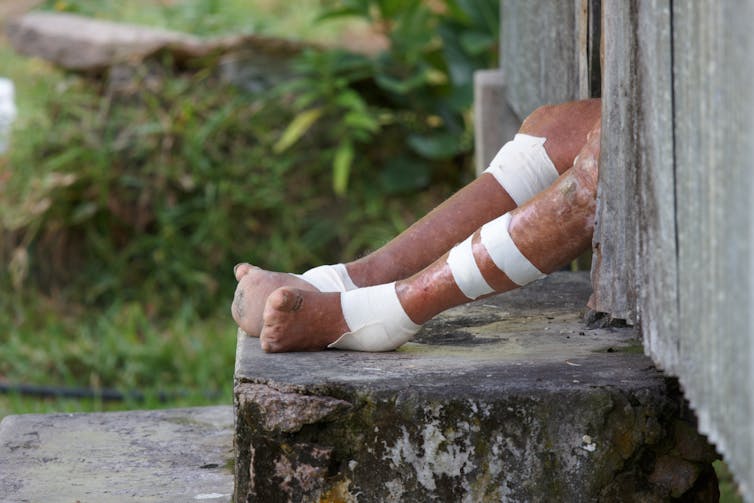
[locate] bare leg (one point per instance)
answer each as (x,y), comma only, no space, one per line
(550,230)
(565,127)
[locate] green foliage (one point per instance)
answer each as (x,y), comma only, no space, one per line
(127,201)
(151,187)
(418,91)
(210,17)
(123,348)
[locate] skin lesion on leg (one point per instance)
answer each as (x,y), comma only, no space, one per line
(564,213)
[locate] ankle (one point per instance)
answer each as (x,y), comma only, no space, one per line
(375,269)
(361,273)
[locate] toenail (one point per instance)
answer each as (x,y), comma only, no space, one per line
(298,303)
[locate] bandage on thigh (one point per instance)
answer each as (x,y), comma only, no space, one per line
(504,254)
(376,320)
(329,278)
(523,168)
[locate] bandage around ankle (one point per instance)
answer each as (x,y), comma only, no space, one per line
(523,167)
(329,278)
(505,254)
(466,272)
(376,320)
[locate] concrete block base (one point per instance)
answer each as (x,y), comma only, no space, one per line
(511,398)
(178,455)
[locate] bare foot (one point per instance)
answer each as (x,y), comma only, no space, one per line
(254,286)
(301,320)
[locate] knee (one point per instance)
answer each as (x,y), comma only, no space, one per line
(565,126)
(586,163)
(540,121)
(553,120)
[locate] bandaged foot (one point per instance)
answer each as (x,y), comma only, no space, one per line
(301,320)
(366,319)
(255,285)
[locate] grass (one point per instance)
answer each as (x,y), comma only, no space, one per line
(65,342)
(728,487)
(294,20)
(63,346)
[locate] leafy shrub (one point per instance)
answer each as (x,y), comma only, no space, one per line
(150,185)
(420,88)
(151,188)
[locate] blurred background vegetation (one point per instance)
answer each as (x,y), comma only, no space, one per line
(125,200)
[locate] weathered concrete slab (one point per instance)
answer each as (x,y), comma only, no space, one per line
(175,455)
(84,44)
(507,399)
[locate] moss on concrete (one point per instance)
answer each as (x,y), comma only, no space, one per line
(523,406)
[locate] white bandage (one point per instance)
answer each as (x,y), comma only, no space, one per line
(523,167)
(505,254)
(466,272)
(376,320)
(329,278)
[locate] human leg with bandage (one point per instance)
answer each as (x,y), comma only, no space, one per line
(546,146)
(520,246)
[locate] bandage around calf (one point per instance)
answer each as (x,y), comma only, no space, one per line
(505,254)
(523,168)
(466,272)
(376,320)
(329,278)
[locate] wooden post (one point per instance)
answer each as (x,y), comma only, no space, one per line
(675,235)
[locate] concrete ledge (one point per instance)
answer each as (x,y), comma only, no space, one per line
(511,398)
(176,455)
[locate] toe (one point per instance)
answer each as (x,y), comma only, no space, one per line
(240,270)
(266,346)
(285,299)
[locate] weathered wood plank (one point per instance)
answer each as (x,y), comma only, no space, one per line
(540,52)
(635,268)
(656,259)
(714,106)
(616,226)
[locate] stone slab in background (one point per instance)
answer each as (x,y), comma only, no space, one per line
(84,44)
(175,455)
(510,398)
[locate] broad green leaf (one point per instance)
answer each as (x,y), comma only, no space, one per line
(297,128)
(361,121)
(342,167)
(402,175)
(438,146)
(476,42)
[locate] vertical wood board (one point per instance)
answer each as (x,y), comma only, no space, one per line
(713,75)
(616,225)
(656,259)
(539,52)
